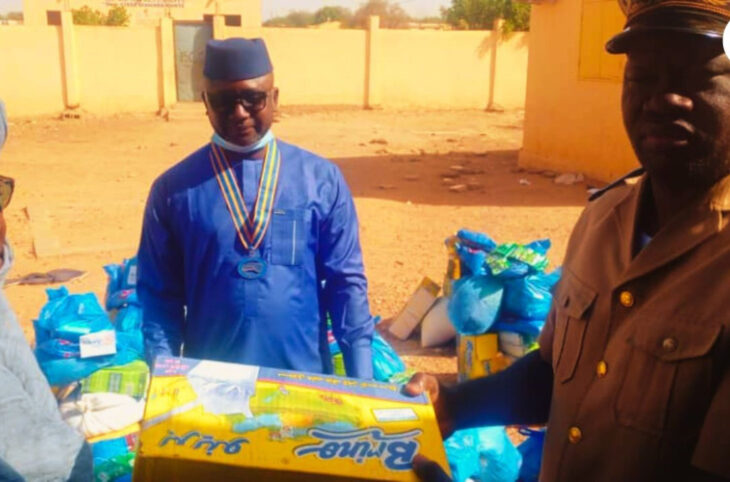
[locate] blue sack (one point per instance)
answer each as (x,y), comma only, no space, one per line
(531,450)
(69,317)
(386,362)
(500,461)
(474,304)
(485,454)
(129,319)
(122,284)
(530,297)
(462,454)
(61,323)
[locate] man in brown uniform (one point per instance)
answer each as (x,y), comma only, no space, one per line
(633,372)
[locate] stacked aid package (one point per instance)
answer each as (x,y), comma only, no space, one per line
(208,420)
(499,299)
(93,358)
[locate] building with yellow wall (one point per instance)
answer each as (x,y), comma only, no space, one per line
(572,108)
(237,13)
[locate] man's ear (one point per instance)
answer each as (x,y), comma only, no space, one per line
(275,97)
(205,101)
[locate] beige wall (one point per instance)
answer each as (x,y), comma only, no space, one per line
(118,69)
(443,69)
(318,66)
(31,76)
(573,123)
(511,71)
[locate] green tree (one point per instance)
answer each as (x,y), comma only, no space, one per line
(332,14)
(481,14)
(391,15)
(295,18)
(86,16)
(117,16)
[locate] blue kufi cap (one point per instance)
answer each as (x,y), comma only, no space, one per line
(236,59)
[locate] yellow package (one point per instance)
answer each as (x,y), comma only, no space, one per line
(220,421)
(479,356)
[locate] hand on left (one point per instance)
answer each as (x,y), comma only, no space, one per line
(429,471)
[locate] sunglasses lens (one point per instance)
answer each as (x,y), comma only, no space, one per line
(6,192)
(219,101)
(251,100)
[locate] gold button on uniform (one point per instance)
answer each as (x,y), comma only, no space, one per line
(626,299)
(575,435)
(669,344)
(601,369)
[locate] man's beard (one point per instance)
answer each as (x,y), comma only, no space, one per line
(694,169)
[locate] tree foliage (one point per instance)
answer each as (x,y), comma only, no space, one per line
(117,16)
(391,15)
(16,16)
(295,18)
(332,14)
(481,14)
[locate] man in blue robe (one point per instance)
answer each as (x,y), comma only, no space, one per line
(250,242)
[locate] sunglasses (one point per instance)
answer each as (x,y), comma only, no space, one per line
(225,102)
(7,186)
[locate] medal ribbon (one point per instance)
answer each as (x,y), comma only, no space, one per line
(251,227)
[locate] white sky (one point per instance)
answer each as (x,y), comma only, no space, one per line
(11,6)
(273,8)
(415,8)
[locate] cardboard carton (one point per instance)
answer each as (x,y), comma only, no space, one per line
(479,356)
(418,305)
(219,421)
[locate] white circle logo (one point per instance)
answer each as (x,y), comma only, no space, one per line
(726,40)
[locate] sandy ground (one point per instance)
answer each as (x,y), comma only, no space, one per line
(81,185)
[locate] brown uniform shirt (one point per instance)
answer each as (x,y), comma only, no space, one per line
(640,345)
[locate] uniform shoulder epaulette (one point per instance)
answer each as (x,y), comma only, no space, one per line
(618,182)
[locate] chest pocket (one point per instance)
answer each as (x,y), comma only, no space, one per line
(574,301)
(288,237)
(658,352)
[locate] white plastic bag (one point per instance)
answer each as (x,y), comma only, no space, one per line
(96,414)
(436,329)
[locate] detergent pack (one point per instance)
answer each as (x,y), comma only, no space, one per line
(208,420)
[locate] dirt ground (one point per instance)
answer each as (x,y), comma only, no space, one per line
(81,185)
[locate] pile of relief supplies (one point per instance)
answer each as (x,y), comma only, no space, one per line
(93,358)
(495,300)
(387,365)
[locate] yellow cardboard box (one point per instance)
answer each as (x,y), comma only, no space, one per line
(208,421)
(479,356)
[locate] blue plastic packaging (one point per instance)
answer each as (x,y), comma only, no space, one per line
(69,316)
(386,362)
(485,454)
(122,284)
(531,450)
(474,304)
(530,297)
(61,323)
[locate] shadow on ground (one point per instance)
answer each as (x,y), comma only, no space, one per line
(490,178)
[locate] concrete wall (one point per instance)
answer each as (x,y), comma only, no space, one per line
(118,69)
(104,70)
(439,69)
(318,66)
(572,109)
(31,73)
